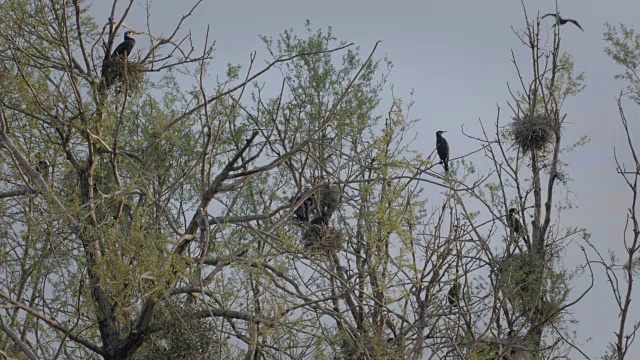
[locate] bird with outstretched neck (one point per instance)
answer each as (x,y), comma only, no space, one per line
(443,150)
(562,21)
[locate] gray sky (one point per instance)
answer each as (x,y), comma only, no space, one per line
(459,70)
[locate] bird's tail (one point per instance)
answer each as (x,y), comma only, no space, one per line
(526,240)
(446,166)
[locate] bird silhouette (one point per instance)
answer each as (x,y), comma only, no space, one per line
(318,208)
(125,47)
(452,294)
(443,150)
(42,166)
(563,21)
(112,65)
(515,225)
(302,213)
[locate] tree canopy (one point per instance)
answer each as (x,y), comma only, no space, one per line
(280,211)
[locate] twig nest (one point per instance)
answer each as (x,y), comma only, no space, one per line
(368,347)
(517,274)
(330,197)
(321,204)
(350,350)
(321,239)
(533,132)
(113,72)
(186,336)
(507,348)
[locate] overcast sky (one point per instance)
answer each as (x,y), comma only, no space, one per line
(456,56)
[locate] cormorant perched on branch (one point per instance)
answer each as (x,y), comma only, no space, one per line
(113,66)
(42,166)
(563,21)
(516,226)
(125,47)
(302,213)
(318,208)
(452,295)
(443,150)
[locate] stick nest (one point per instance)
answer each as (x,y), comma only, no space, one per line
(533,132)
(515,348)
(113,72)
(517,273)
(321,239)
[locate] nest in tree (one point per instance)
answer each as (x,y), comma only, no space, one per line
(369,348)
(321,204)
(330,197)
(533,132)
(117,70)
(517,274)
(321,239)
(508,348)
(548,309)
(520,280)
(183,334)
(314,216)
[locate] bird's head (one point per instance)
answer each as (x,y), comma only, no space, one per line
(128,35)
(512,211)
(440,132)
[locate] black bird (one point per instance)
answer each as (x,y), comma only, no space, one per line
(42,166)
(320,220)
(443,150)
(514,224)
(328,201)
(563,21)
(318,208)
(452,295)
(303,212)
(125,47)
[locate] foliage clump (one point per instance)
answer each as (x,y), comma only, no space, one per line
(533,132)
(517,274)
(368,348)
(511,347)
(185,333)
